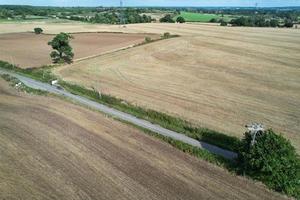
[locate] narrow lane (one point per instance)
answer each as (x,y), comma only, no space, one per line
(123,116)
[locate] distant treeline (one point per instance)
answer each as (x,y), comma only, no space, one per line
(115,16)
(261,17)
(93,15)
(261,21)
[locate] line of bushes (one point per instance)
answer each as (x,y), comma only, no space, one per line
(43,74)
(173,123)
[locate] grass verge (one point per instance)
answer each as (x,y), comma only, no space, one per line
(164,120)
(14,82)
(194,151)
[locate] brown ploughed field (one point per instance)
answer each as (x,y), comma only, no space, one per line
(28,50)
(216,77)
(52,149)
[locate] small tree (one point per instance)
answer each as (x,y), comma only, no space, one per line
(273,160)
(38,30)
(62,49)
(180,19)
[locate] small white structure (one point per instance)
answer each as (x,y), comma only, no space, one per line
(55,82)
(254,129)
(18,85)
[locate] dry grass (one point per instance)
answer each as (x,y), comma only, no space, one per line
(51,149)
(29,50)
(217,77)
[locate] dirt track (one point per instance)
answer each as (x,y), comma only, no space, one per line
(216,77)
(30,50)
(51,149)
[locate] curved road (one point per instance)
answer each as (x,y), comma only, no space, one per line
(123,116)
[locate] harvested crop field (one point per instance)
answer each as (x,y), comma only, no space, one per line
(216,77)
(29,50)
(52,149)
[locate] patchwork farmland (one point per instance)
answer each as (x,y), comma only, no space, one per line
(215,77)
(200,79)
(28,50)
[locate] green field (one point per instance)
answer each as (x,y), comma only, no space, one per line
(200,17)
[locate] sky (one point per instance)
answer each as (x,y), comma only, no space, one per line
(200,3)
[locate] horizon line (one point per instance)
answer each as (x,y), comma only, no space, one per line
(145,6)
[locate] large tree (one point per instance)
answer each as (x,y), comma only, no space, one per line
(272,159)
(63,52)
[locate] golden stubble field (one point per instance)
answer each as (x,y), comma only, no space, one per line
(216,77)
(52,149)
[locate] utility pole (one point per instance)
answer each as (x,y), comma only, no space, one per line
(121,13)
(255,129)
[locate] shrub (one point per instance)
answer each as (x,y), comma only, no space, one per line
(180,20)
(148,39)
(273,160)
(223,23)
(38,30)
(213,20)
(166,35)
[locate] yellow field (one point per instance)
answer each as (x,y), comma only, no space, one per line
(216,77)
(52,149)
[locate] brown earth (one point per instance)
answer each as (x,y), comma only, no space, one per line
(216,77)
(29,50)
(52,149)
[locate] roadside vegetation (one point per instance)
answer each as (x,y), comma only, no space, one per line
(16,83)
(213,137)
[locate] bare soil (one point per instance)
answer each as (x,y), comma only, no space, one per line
(29,50)
(52,149)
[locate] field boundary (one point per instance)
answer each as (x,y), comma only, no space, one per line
(124,48)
